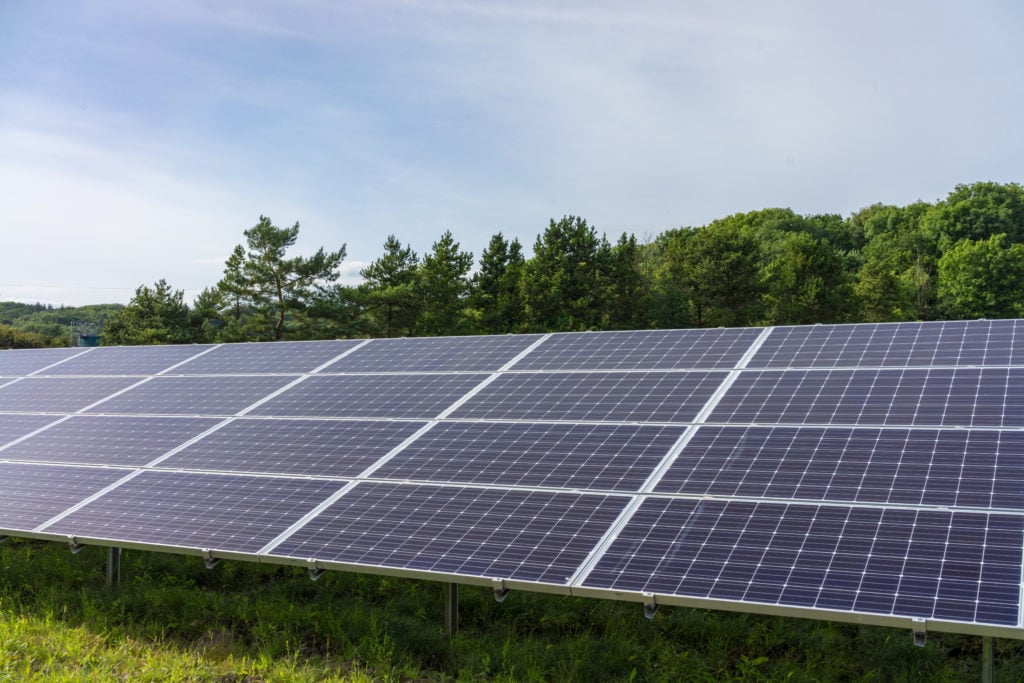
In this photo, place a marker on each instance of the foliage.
(982, 279)
(496, 292)
(443, 288)
(153, 316)
(389, 289)
(977, 212)
(265, 287)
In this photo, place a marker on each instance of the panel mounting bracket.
(500, 591)
(920, 631)
(210, 560)
(315, 572)
(650, 606)
(74, 546)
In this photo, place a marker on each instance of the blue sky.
(138, 140)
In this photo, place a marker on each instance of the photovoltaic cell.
(32, 494)
(266, 357)
(598, 396)
(101, 440)
(59, 394)
(15, 426)
(963, 397)
(127, 360)
(433, 354)
(605, 457)
(981, 469)
(515, 535)
(390, 396)
(298, 447)
(20, 362)
(931, 564)
(962, 343)
(718, 348)
(222, 396)
(187, 510)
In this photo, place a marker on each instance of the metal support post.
(113, 566)
(451, 609)
(988, 659)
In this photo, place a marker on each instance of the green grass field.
(171, 619)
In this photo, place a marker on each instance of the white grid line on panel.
(652, 481)
(62, 360)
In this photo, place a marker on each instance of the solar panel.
(298, 447)
(604, 457)
(860, 472)
(922, 563)
(126, 360)
(191, 395)
(595, 396)
(100, 440)
(949, 467)
(974, 342)
(954, 397)
(15, 426)
(202, 511)
(393, 396)
(516, 535)
(20, 362)
(32, 494)
(642, 350)
(267, 357)
(59, 394)
(433, 354)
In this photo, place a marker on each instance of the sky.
(138, 140)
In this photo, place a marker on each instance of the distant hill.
(37, 325)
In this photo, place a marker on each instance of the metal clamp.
(500, 592)
(920, 631)
(74, 546)
(650, 606)
(315, 572)
(211, 561)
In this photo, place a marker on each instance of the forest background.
(958, 258)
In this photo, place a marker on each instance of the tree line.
(961, 257)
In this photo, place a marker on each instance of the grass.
(171, 619)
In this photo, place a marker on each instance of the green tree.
(497, 286)
(389, 292)
(982, 279)
(153, 316)
(628, 290)
(718, 269)
(565, 282)
(976, 212)
(262, 283)
(444, 285)
(805, 282)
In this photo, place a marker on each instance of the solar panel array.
(871, 473)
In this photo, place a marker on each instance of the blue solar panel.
(964, 397)
(32, 494)
(324, 448)
(596, 396)
(101, 440)
(642, 350)
(977, 469)
(16, 426)
(59, 394)
(267, 357)
(948, 343)
(515, 535)
(930, 564)
(20, 362)
(204, 511)
(433, 354)
(127, 360)
(221, 396)
(606, 457)
(392, 396)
